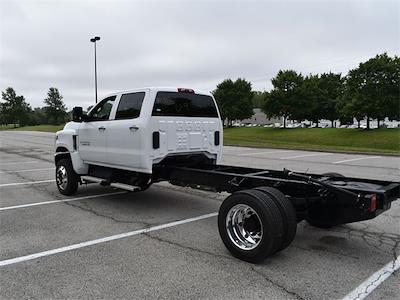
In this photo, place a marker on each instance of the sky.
(194, 44)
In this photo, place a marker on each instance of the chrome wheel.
(62, 177)
(244, 227)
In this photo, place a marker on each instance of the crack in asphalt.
(369, 285)
(395, 238)
(31, 142)
(151, 236)
(294, 294)
(231, 258)
(28, 153)
(365, 292)
(98, 214)
(371, 238)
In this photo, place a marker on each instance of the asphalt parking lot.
(164, 242)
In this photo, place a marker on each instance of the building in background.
(260, 118)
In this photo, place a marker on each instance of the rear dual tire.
(288, 214)
(254, 224)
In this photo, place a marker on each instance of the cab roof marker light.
(185, 90)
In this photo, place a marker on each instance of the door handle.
(102, 128)
(133, 127)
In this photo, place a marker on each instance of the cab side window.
(102, 111)
(129, 106)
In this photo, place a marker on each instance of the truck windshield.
(180, 104)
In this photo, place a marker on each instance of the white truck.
(127, 133)
(132, 139)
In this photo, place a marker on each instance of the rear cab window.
(184, 104)
(129, 106)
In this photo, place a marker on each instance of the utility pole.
(94, 40)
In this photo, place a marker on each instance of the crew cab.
(132, 139)
(133, 130)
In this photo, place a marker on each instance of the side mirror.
(77, 114)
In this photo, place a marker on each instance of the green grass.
(347, 140)
(386, 141)
(47, 128)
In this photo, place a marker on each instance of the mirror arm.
(85, 118)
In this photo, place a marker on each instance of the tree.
(234, 99)
(14, 109)
(258, 99)
(319, 96)
(284, 100)
(348, 111)
(310, 99)
(38, 116)
(372, 89)
(391, 102)
(55, 108)
(331, 87)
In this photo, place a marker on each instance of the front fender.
(66, 146)
(65, 139)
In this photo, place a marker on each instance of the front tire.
(250, 225)
(66, 178)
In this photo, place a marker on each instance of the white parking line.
(18, 162)
(306, 155)
(372, 282)
(59, 201)
(29, 170)
(354, 159)
(27, 182)
(102, 240)
(264, 152)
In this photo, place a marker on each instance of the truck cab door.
(92, 133)
(125, 148)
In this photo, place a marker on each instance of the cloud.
(183, 43)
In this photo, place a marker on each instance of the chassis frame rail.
(330, 198)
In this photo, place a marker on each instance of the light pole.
(94, 40)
